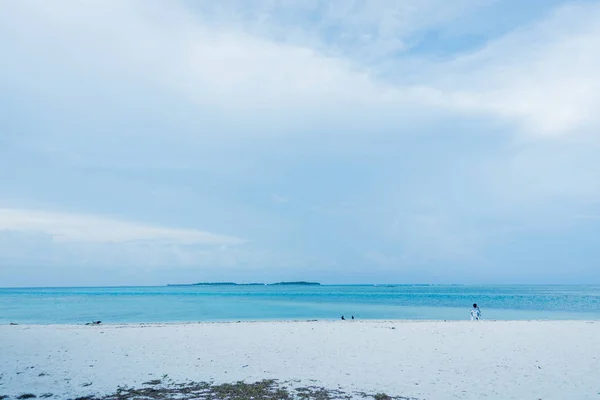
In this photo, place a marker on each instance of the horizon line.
(320, 284)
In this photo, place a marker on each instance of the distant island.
(298, 283)
(226, 284)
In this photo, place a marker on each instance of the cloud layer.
(363, 141)
(90, 229)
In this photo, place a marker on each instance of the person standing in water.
(475, 313)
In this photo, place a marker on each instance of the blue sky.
(151, 142)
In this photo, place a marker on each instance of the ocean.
(258, 303)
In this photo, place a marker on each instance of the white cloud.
(230, 59)
(65, 227)
(364, 31)
(123, 86)
(223, 70)
(546, 76)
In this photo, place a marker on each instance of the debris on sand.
(264, 390)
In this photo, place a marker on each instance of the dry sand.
(425, 360)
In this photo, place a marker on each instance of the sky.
(146, 142)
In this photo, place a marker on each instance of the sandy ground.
(425, 360)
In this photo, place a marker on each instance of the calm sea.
(233, 303)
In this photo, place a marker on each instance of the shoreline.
(415, 359)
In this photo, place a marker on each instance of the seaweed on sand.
(262, 390)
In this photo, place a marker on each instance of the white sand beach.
(423, 360)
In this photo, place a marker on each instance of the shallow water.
(232, 303)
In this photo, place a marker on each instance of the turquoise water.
(233, 303)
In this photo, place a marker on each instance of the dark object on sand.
(343, 319)
(13, 324)
(94, 323)
(264, 390)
